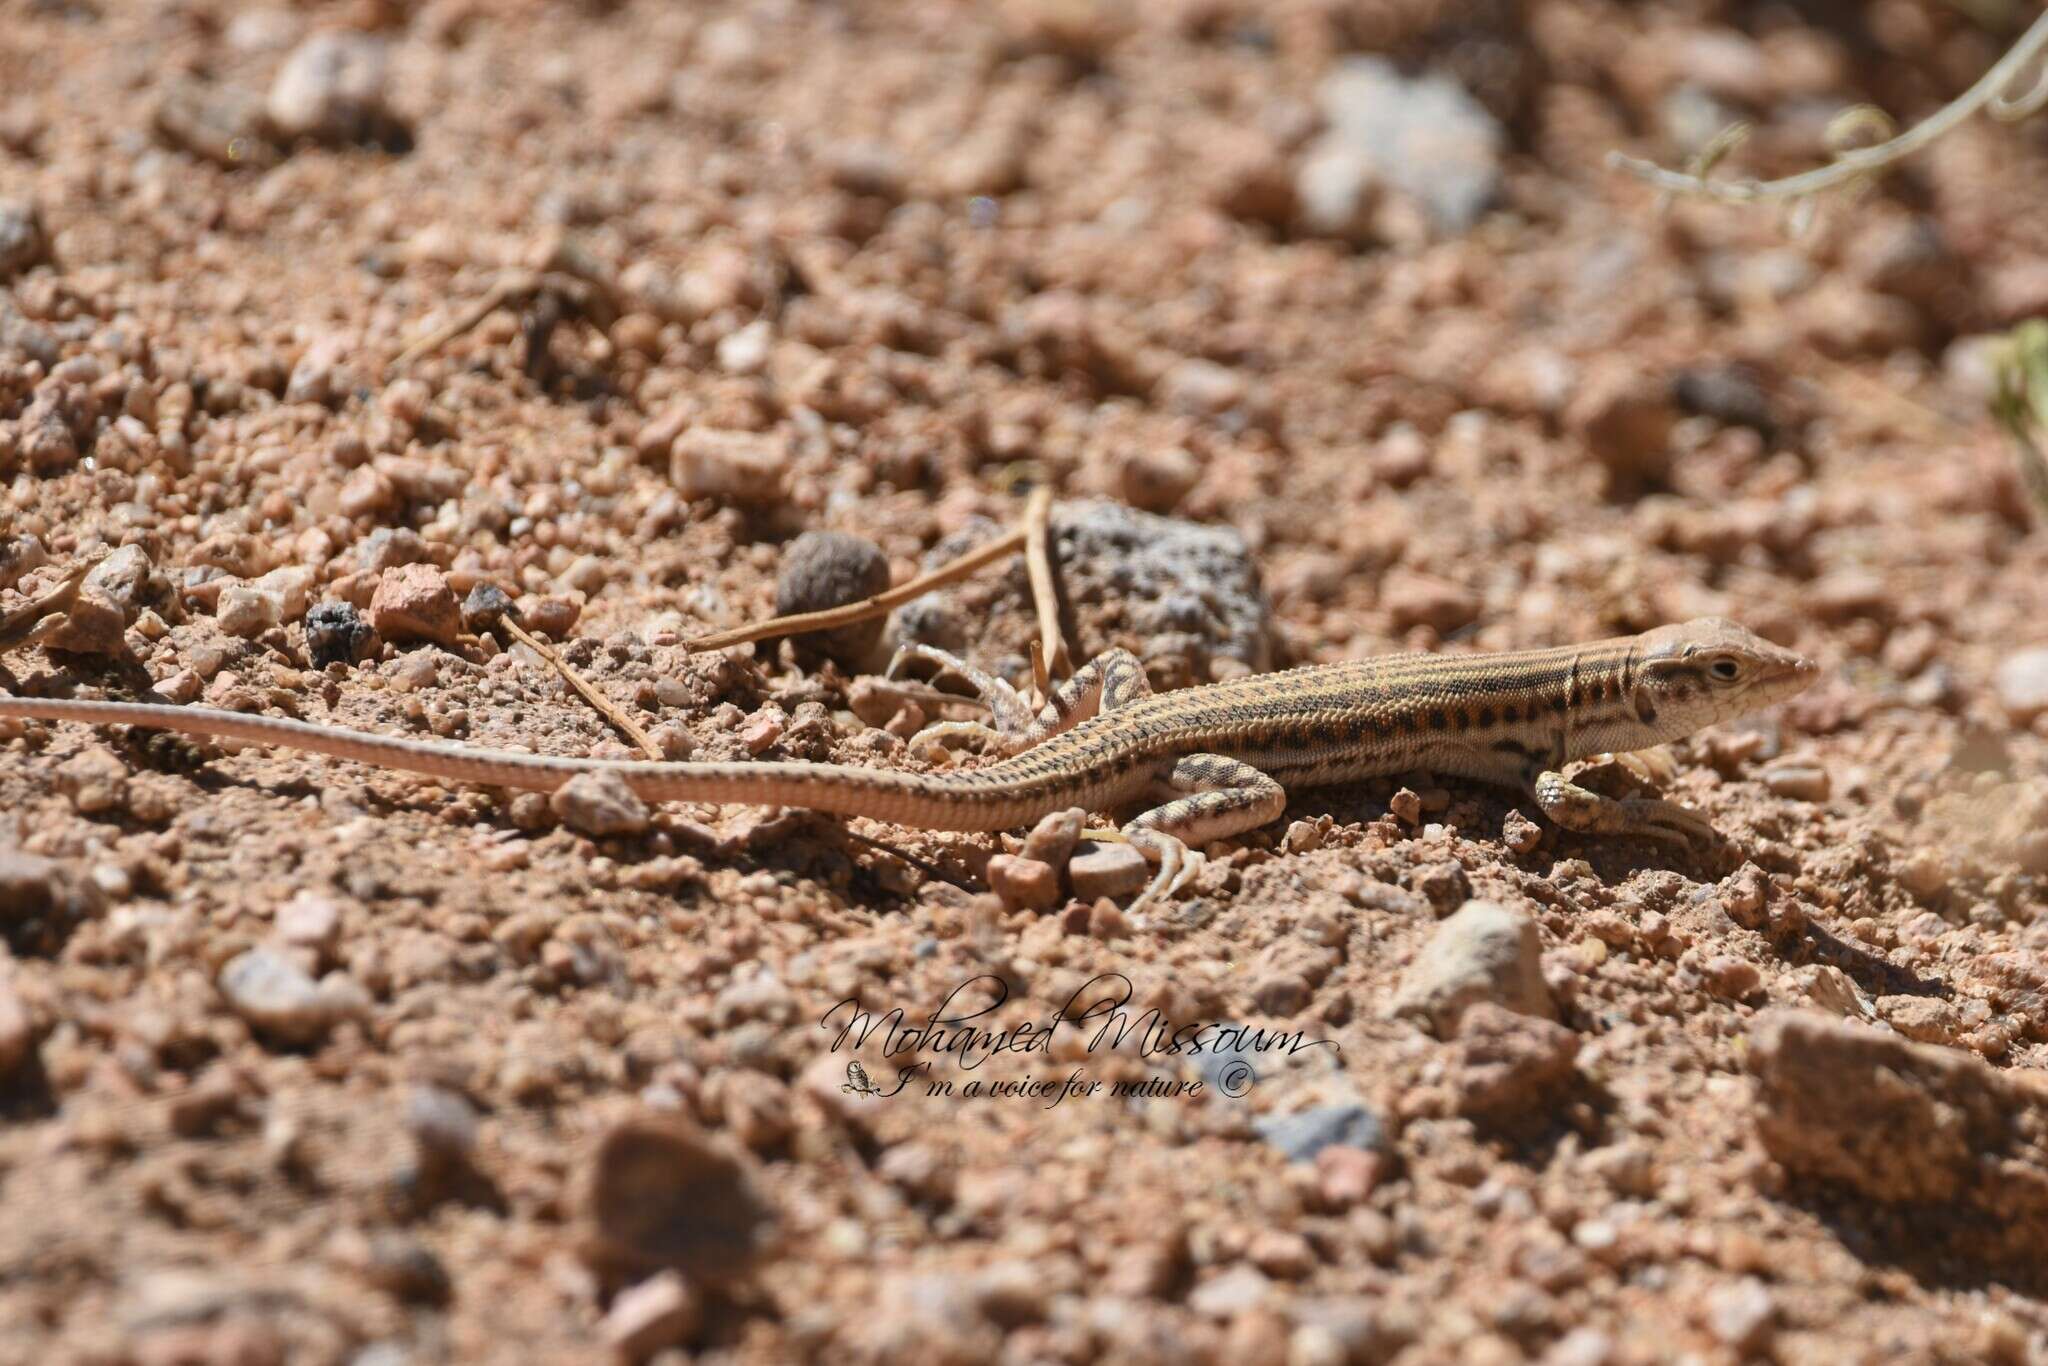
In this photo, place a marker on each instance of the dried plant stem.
(499, 295)
(1051, 660)
(610, 710)
(867, 608)
(1988, 94)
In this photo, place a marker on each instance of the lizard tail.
(959, 801)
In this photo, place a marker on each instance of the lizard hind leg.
(1220, 797)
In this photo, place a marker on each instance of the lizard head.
(1699, 673)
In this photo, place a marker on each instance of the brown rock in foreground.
(1910, 1125)
(662, 1194)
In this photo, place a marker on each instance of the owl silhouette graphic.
(858, 1082)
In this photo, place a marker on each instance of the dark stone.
(335, 634)
(484, 608)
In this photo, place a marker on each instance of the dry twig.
(610, 710)
(1050, 661)
(867, 608)
(1989, 94)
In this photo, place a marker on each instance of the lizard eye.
(1725, 669)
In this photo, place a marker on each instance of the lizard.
(1217, 759)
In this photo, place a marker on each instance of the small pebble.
(658, 1313)
(1110, 870)
(278, 999)
(760, 732)
(1486, 952)
(1519, 833)
(2022, 686)
(242, 611)
(310, 920)
(1155, 480)
(484, 608)
(1052, 840)
(600, 805)
(661, 1194)
(95, 781)
(728, 466)
(1345, 1175)
(1740, 1315)
(1799, 782)
(330, 89)
(335, 634)
(1107, 921)
(414, 602)
(1732, 977)
(552, 616)
(1024, 884)
(826, 569)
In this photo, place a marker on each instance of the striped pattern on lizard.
(1217, 760)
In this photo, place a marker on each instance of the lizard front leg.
(1586, 812)
(1223, 797)
(1108, 681)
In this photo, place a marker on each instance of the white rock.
(279, 1000)
(1485, 952)
(331, 89)
(244, 611)
(600, 804)
(739, 467)
(1425, 136)
(2022, 683)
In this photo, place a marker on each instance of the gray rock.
(600, 805)
(1486, 952)
(1305, 1133)
(1183, 597)
(484, 608)
(1425, 136)
(279, 1000)
(23, 242)
(335, 634)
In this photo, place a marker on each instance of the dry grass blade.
(867, 608)
(610, 710)
(1052, 660)
(1991, 93)
(501, 294)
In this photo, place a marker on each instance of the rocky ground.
(341, 325)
